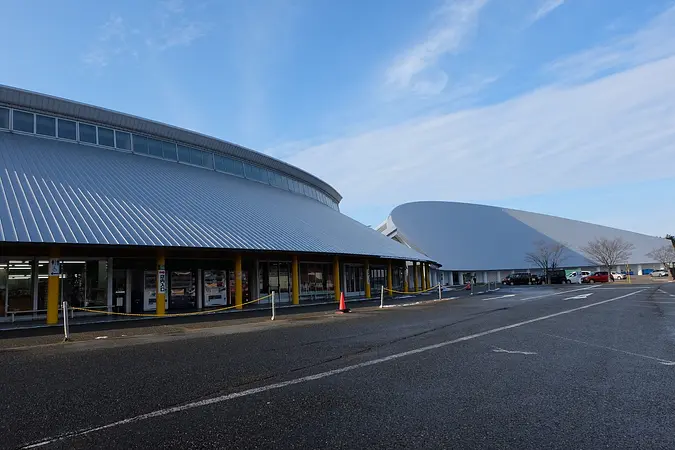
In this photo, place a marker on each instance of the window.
(4, 118)
(229, 165)
(183, 154)
(45, 125)
(23, 121)
(67, 129)
(207, 160)
(140, 144)
(87, 133)
(106, 137)
(123, 140)
(196, 157)
(169, 151)
(155, 147)
(256, 173)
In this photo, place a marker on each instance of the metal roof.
(465, 236)
(59, 192)
(67, 108)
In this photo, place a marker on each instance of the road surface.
(520, 368)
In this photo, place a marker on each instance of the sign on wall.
(161, 281)
(54, 267)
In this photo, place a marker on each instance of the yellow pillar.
(295, 280)
(161, 285)
(53, 285)
(415, 285)
(405, 277)
(428, 269)
(336, 277)
(238, 291)
(366, 269)
(390, 279)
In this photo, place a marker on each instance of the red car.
(597, 277)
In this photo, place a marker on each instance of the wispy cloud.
(111, 41)
(532, 144)
(417, 68)
(545, 8)
(651, 43)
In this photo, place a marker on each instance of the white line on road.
(560, 293)
(318, 376)
(501, 296)
(512, 352)
(665, 362)
(580, 296)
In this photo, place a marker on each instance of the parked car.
(557, 277)
(597, 277)
(660, 273)
(520, 278)
(618, 276)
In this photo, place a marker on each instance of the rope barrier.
(393, 291)
(194, 313)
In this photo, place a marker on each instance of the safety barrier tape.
(412, 292)
(194, 313)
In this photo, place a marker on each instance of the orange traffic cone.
(343, 308)
(467, 287)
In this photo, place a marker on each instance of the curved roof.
(69, 109)
(54, 191)
(465, 236)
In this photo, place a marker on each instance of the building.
(490, 242)
(110, 211)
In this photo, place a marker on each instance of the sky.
(562, 107)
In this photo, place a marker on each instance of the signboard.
(54, 267)
(161, 278)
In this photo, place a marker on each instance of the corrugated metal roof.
(465, 236)
(68, 108)
(55, 191)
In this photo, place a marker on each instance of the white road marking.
(101, 337)
(664, 302)
(665, 362)
(560, 293)
(318, 376)
(501, 296)
(419, 302)
(501, 350)
(664, 292)
(580, 296)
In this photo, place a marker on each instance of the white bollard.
(439, 291)
(471, 288)
(382, 296)
(273, 312)
(66, 330)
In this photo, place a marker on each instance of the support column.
(238, 292)
(390, 279)
(200, 289)
(336, 277)
(295, 280)
(127, 292)
(428, 268)
(366, 269)
(423, 270)
(415, 282)
(405, 277)
(161, 284)
(53, 285)
(109, 287)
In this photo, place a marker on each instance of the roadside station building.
(113, 212)
(489, 242)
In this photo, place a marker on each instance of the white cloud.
(609, 131)
(416, 69)
(178, 36)
(546, 7)
(653, 42)
(111, 41)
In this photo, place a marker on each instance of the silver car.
(660, 273)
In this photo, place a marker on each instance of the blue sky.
(559, 107)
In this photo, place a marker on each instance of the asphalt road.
(522, 368)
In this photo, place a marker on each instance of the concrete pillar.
(238, 291)
(366, 268)
(485, 277)
(639, 269)
(499, 276)
(416, 286)
(295, 280)
(336, 277)
(423, 276)
(53, 285)
(109, 287)
(161, 284)
(127, 292)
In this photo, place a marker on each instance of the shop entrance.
(355, 284)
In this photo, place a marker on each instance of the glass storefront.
(244, 285)
(3, 288)
(19, 296)
(275, 276)
(355, 282)
(316, 282)
(378, 278)
(84, 283)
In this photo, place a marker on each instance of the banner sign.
(54, 267)
(161, 281)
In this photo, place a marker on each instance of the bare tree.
(608, 252)
(666, 256)
(547, 256)
(671, 238)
